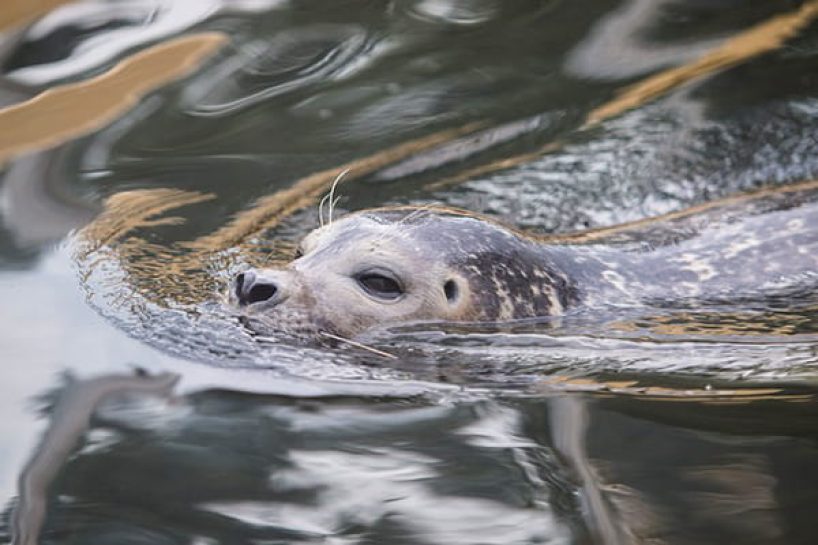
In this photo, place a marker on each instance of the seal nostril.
(450, 288)
(239, 283)
(261, 292)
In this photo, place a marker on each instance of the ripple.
(658, 159)
(617, 46)
(289, 61)
(101, 31)
(456, 12)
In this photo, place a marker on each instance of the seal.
(389, 266)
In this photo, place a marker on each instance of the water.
(137, 409)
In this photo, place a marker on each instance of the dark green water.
(546, 433)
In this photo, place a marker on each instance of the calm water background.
(677, 427)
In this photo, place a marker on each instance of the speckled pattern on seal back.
(516, 276)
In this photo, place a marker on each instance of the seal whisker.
(414, 214)
(332, 200)
(321, 210)
(400, 223)
(358, 345)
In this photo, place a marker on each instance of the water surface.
(136, 409)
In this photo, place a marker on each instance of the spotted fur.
(509, 275)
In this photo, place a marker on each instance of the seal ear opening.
(451, 291)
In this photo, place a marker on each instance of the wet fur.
(511, 275)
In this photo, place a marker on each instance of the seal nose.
(250, 288)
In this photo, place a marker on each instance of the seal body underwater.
(390, 266)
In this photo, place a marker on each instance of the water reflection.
(72, 410)
(80, 37)
(458, 12)
(627, 42)
(35, 210)
(675, 424)
(223, 465)
(288, 62)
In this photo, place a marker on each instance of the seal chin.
(298, 325)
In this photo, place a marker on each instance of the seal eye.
(380, 285)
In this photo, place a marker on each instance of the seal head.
(392, 266)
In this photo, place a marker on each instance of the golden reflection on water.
(723, 324)
(130, 210)
(633, 388)
(744, 46)
(18, 12)
(762, 38)
(156, 272)
(68, 111)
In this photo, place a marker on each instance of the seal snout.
(251, 287)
